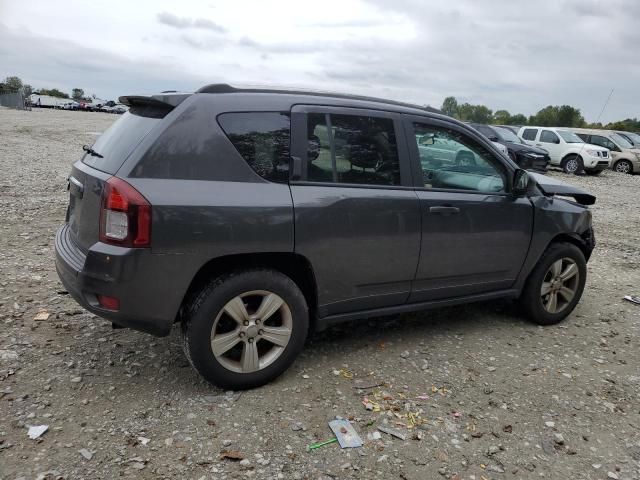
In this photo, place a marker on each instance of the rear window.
(262, 139)
(119, 140)
(529, 133)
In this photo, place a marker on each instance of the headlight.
(594, 153)
(534, 155)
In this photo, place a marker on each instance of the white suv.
(567, 150)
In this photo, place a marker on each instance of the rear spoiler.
(162, 100)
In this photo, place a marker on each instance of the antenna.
(597, 120)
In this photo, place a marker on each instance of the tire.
(242, 293)
(538, 307)
(623, 166)
(593, 173)
(572, 164)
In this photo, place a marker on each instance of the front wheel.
(245, 328)
(555, 285)
(572, 164)
(623, 166)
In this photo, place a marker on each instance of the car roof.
(223, 88)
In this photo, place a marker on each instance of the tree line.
(550, 116)
(15, 84)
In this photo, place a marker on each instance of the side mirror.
(494, 139)
(520, 183)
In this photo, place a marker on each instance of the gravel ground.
(487, 395)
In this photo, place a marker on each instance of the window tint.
(530, 133)
(548, 136)
(352, 149)
(602, 142)
(262, 138)
(119, 140)
(487, 131)
(451, 160)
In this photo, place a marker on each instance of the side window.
(603, 142)
(530, 133)
(548, 136)
(352, 149)
(262, 139)
(584, 137)
(451, 160)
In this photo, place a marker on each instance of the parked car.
(119, 109)
(633, 138)
(567, 150)
(524, 155)
(185, 209)
(625, 158)
(513, 128)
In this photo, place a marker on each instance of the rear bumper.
(147, 286)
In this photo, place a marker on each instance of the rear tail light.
(125, 217)
(109, 303)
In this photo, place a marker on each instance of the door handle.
(444, 210)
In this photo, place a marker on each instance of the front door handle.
(444, 210)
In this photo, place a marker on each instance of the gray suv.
(253, 216)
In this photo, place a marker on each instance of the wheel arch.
(295, 266)
(580, 241)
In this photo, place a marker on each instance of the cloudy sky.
(511, 54)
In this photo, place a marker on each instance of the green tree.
(54, 92)
(501, 117)
(517, 119)
(627, 125)
(13, 83)
(475, 113)
(569, 116)
(77, 94)
(450, 106)
(558, 116)
(28, 89)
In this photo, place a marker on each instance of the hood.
(550, 187)
(589, 146)
(519, 147)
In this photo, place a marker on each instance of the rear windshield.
(119, 140)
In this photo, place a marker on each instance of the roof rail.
(226, 88)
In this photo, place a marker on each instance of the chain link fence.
(13, 100)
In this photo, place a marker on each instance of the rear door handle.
(442, 210)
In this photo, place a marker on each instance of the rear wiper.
(91, 151)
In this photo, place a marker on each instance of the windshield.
(569, 137)
(621, 141)
(635, 138)
(508, 135)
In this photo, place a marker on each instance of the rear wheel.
(623, 166)
(246, 328)
(555, 285)
(572, 164)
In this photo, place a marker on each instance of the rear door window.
(530, 133)
(262, 139)
(352, 149)
(119, 140)
(548, 136)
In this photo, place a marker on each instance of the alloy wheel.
(623, 167)
(560, 285)
(251, 331)
(572, 165)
